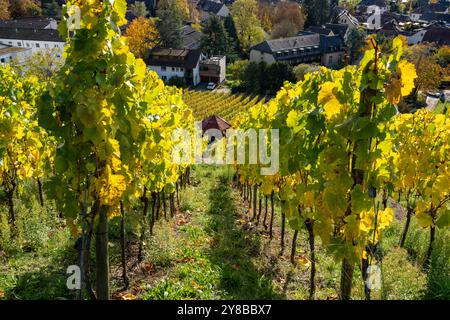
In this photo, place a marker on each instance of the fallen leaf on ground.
(304, 261)
(129, 296)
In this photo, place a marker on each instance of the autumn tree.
(283, 29)
(24, 8)
(265, 15)
(4, 10)
(43, 64)
(139, 9)
(180, 7)
(142, 36)
(194, 14)
(248, 26)
(442, 56)
(288, 20)
(429, 72)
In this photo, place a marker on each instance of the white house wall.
(416, 38)
(258, 56)
(223, 12)
(21, 56)
(33, 45)
(166, 73)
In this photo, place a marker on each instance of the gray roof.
(319, 30)
(26, 23)
(184, 58)
(431, 7)
(367, 3)
(431, 16)
(331, 41)
(440, 36)
(389, 16)
(304, 40)
(211, 6)
(190, 37)
(340, 29)
(30, 34)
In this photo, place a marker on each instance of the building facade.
(182, 63)
(304, 48)
(32, 39)
(213, 69)
(10, 53)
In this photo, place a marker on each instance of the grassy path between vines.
(210, 250)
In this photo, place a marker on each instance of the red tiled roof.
(215, 122)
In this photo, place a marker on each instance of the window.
(19, 44)
(56, 46)
(37, 45)
(164, 78)
(163, 68)
(46, 45)
(28, 45)
(330, 60)
(2, 60)
(10, 43)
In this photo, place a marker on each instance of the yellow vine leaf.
(408, 75)
(326, 97)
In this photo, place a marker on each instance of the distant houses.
(31, 34)
(34, 39)
(306, 47)
(8, 53)
(212, 7)
(438, 35)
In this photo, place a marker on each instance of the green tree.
(169, 26)
(139, 9)
(248, 26)
(43, 64)
(235, 70)
(442, 56)
(232, 36)
(276, 74)
(215, 38)
(261, 78)
(178, 82)
(355, 43)
(302, 69)
(316, 12)
(52, 9)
